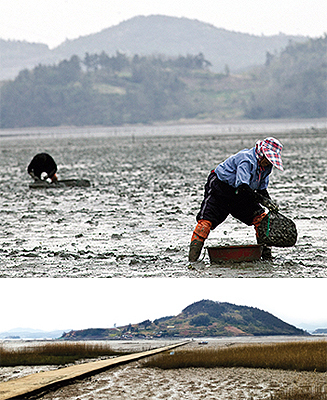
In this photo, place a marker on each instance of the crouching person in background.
(43, 167)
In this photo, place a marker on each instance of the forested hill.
(115, 90)
(205, 318)
(294, 83)
(155, 34)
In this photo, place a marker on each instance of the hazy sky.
(52, 22)
(49, 304)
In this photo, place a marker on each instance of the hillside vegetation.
(115, 90)
(295, 83)
(205, 318)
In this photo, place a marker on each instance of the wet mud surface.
(134, 382)
(137, 218)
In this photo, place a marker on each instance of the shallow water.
(137, 218)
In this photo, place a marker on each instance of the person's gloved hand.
(44, 176)
(36, 178)
(270, 204)
(258, 197)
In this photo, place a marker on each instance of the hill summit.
(151, 35)
(173, 36)
(205, 318)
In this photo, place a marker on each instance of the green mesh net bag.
(277, 230)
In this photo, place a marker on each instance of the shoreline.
(181, 127)
(139, 344)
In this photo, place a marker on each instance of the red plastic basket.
(235, 253)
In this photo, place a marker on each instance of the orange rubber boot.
(54, 178)
(201, 232)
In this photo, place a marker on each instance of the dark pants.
(220, 200)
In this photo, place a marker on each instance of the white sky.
(52, 22)
(50, 304)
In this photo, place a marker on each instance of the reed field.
(295, 356)
(54, 354)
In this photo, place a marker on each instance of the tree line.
(101, 90)
(293, 84)
(115, 90)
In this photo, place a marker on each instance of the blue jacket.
(243, 167)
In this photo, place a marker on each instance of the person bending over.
(43, 167)
(238, 186)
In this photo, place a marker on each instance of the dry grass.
(298, 356)
(54, 354)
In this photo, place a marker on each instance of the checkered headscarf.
(270, 148)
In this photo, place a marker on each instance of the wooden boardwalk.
(43, 381)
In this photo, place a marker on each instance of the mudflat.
(137, 217)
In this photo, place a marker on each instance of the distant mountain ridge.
(205, 318)
(26, 333)
(320, 331)
(146, 35)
